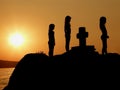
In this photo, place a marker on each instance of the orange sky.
(31, 18)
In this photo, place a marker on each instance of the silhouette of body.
(51, 41)
(104, 35)
(67, 30)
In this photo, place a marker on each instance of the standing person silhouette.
(67, 30)
(51, 41)
(104, 35)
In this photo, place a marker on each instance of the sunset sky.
(31, 18)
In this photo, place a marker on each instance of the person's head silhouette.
(67, 19)
(51, 27)
(102, 20)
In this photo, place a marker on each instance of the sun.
(16, 39)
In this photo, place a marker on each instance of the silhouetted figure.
(51, 41)
(67, 30)
(82, 35)
(104, 35)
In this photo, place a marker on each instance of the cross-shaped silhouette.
(82, 35)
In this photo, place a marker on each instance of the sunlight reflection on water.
(5, 73)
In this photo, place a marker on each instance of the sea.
(5, 74)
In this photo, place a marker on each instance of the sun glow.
(16, 39)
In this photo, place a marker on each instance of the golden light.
(16, 39)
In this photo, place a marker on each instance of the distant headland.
(8, 64)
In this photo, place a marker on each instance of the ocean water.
(5, 73)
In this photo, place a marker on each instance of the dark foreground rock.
(38, 71)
